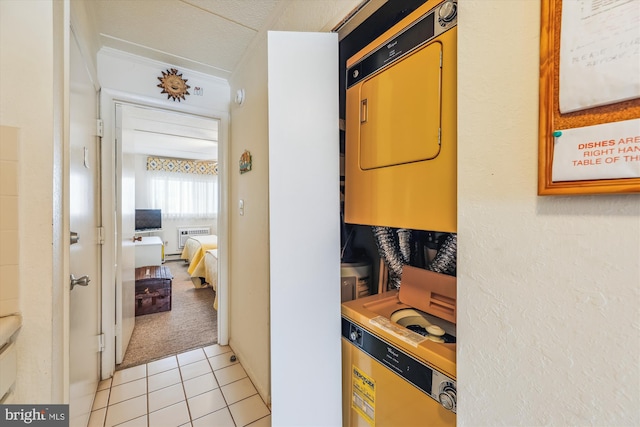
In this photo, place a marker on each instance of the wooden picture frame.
(551, 120)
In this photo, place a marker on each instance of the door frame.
(108, 99)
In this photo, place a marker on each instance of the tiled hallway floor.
(199, 388)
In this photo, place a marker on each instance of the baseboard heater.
(185, 232)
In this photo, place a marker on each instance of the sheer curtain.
(183, 195)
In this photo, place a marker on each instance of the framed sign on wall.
(589, 128)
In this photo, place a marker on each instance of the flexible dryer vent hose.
(445, 260)
(404, 242)
(394, 247)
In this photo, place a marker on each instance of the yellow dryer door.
(400, 111)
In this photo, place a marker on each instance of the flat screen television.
(148, 219)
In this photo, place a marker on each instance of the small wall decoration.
(174, 85)
(245, 162)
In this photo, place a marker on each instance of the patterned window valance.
(182, 166)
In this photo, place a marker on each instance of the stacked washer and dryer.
(399, 350)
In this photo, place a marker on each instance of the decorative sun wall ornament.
(174, 85)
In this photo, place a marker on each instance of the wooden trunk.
(153, 289)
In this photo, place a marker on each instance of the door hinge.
(101, 343)
(101, 235)
(100, 128)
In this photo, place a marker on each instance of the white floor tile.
(238, 390)
(195, 369)
(221, 361)
(206, 403)
(96, 419)
(162, 365)
(230, 374)
(181, 391)
(101, 400)
(136, 422)
(214, 350)
(129, 374)
(125, 411)
(191, 356)
(171, 416)
(128, 390)
(248, 410)
(199, 385)
(165, 397)
(221, 418)
(262, 422)
(163, 379)
(104, 384)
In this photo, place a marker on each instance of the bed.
(206, 269)
(211, 272)
(205, 273)
(193, 253)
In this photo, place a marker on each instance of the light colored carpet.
(191, 323)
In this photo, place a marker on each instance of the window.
(183, 195)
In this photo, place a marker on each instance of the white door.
(304, 224)
(125, 219)
(84, 256)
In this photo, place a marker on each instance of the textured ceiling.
(210, 36)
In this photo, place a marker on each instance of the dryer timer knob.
(447, 397)
(447, 11)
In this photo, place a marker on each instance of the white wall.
(249, 247)
(27, 102)
(9, 221)
(548, 287)
(137, 76)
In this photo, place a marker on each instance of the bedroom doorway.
(174, 159)
(143, 137)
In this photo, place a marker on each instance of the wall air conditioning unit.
(185, 232)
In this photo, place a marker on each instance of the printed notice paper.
(606, 151)
(599, 53)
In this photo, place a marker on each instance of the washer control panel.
(434, 383)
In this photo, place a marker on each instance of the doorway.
(142, 134)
